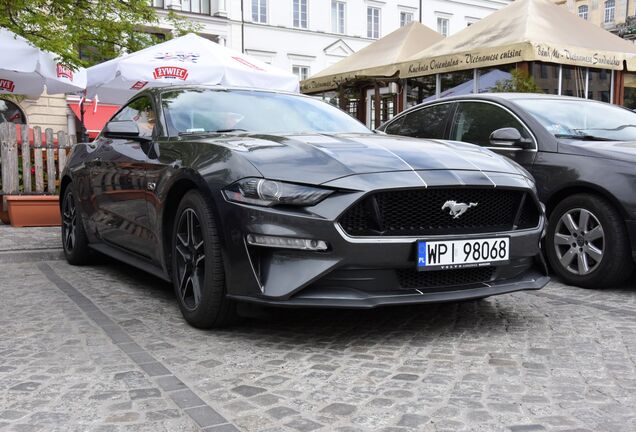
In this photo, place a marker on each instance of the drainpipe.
(421, 11)
(242, 28)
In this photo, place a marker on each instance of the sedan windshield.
(582, 119)
(195, 111)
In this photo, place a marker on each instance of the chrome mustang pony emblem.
(457, 209)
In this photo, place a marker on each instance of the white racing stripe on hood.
(405, 162)
(471, 162)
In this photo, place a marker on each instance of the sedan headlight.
(269, 193)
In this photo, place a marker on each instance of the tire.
(197, 266)
(595, 256)
(74, 239)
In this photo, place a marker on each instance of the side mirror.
(125, 129)
(509, 137)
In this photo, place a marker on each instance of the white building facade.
(306, 36)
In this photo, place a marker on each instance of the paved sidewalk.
(104, 348)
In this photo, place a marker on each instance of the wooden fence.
(31, 162)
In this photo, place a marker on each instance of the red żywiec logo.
(170, 72)
(64, 72)
(7, 85)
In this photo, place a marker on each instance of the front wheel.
(587, 242)
(197, 265)
(74, 239)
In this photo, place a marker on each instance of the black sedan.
(244, 195)
(582, 154)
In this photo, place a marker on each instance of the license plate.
(453, 254)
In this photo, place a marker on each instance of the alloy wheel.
(190, 254)
(579, 241)
(69, 223)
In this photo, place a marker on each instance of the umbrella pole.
(83, 134)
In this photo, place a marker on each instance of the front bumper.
(354, 299)
(355, 272)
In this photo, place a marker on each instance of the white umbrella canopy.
(188, 59)
(25, 69)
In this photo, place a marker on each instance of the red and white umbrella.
(25, 69)
(189, 59)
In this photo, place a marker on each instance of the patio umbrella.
(189, 59)
(25, 69)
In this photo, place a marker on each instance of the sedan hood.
(319, 158)
(615, 150)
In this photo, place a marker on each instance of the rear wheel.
(587, 242)
(197, 265)
(74, 239)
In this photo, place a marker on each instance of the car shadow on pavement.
(491, 316)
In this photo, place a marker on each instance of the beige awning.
(526, 30)
(378, 59)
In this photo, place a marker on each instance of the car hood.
(319, 158)
(616, 150)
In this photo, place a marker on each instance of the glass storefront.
(600, 85)
(454, 79)
(495, 76)
(546, 76)
(629, 92)
(573, 81)
(419, 89)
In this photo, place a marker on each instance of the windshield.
(210, 110)
(582, 119)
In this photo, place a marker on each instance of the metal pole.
(560, 79)
(587, 82)
(83, 134)
(420, 11)
(611, 88)
(438, 86)
(475, 80)
(242, 28)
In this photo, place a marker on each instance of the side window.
(140, 111)
(395, 126)
(475, 121)
(426, 122)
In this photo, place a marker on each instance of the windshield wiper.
(230, 130)
(583, 137)
(206, 132)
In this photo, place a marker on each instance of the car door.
(474, 121)
(118, 181)
(426, 122)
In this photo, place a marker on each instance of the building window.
(373, 22)
(442, 26)
(302, 72)
(405, 18)
(583, 10)
(196, 6)
(300, 13)
(337, 16)
(610, 7)
(157, 3)
(259, 11)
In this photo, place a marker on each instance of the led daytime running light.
(286, 242)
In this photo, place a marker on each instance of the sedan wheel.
(587, 242)
(579, 241)
(197, 265)
(74, 240)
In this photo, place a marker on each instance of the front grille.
(418, 212)
(410, 278)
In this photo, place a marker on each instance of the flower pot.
(34, 210)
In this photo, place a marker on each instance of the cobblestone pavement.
(104, 348)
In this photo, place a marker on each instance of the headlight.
(268, 193)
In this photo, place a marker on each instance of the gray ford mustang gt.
(257, 196)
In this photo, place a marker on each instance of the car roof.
(508, 96)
